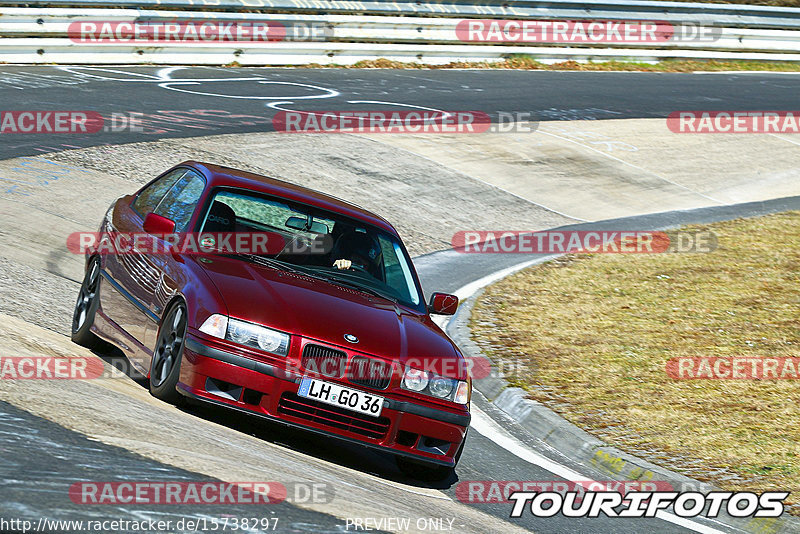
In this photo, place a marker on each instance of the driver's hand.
(342, 264)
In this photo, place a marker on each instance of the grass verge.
(524, 62)
(592, 334)
(780, 3)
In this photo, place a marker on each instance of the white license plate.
(349, 399)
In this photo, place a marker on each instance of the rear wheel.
(165, 368)
(86, 307)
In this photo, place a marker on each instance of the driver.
(357, 250)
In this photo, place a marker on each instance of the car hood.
(318, 310)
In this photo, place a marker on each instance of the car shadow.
(333, 450)
(114, 357)
(350, 455)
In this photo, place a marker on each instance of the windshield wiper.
(269, 262)
(346, 283)
(275, 264)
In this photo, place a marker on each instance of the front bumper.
(220, 376)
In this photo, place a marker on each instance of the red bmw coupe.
(328, 331)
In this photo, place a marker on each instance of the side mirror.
(157, 224)
(443, 304)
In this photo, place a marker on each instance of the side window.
(398, 275)
(149, 198)
(180, 202)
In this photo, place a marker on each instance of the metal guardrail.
(19, 22)
(62, 51)
(40, 34)
(732, 15)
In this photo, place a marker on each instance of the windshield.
(319, 243)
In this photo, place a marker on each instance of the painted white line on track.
(784, 139)
(473, 287)
(381, 102)
(163, 78)
(491, 430)
(470, 289)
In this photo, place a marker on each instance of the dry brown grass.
(596, 331)
(523, 62)
(783, 3)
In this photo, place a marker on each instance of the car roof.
(219, 176)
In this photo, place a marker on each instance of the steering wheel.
(355, 267)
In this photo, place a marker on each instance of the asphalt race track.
(41, 458)
(256, 95)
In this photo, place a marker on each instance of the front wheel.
(165, 368)
(86, 307)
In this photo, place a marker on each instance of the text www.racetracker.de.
(202, 524)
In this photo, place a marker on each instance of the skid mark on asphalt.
(471, 177)
(631, 165)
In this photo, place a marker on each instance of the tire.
(86, 307)
(421, 470)
(165, 367)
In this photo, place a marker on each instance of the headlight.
(436, 386)
(240, 332)
(271, 341)
(244, 333)
(441, 387)
(415, 380)
(259, 337)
